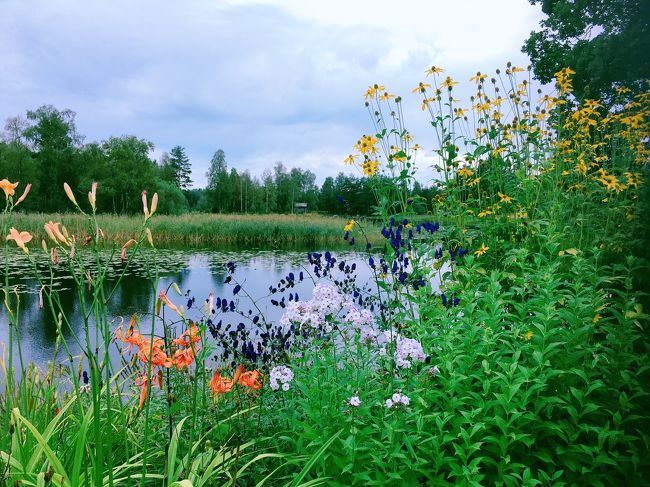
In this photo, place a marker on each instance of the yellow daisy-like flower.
(448, 83)
(474, 182)
(350, 159)
(386, 96)
(478, 77)
(425, 103)
(465, 172)
(366, 144)
(482, 250)
(504, 198)
(421, 88)
(370, 167)
(484, 213)
(434, 70)
(529, 335)
(350, 225)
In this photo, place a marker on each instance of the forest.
(45, 149)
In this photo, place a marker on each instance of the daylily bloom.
(183, 358)
(253, 379)
(21, 238)
(8, 187)
(192, 334)
(221, 385)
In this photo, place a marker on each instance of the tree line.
(45, 149)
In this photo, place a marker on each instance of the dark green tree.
(180, 167)
(606, 42)
(52, 135)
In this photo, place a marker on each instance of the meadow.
(529, 366)
(202, 230)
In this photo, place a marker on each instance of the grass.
(201, 230)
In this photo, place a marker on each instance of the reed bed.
(201, 230)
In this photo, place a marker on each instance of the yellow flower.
(421, 88)
(465, 172)
(504, 198)
(350, 159)
(366, 144)
(434, 70)
(448, 83)
(370, 167)
(349, 226)
(21, 238)
(8, 187)
(372, 91)
(474, 182)
(386, 96)
(498, 151)
(529, 335)
(515, 69)
(597, 317)
(484, 213)
(425, 103)
(482, 250)
(479, 77)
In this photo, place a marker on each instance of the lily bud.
(154, 204)
(149, 237)
(144, 205)
(92, 195)
(68, 191)
(24, 195)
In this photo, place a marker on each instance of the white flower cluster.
(326, 301)
(408, 350)
(360, 318)
(280, 376)
(354, 401)
(397, 399)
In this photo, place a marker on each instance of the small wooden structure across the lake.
(300, 208)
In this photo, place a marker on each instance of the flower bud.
(68, 191)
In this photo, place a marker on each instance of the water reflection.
(196, 272)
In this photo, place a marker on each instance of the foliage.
(604, 41)
(506, 346)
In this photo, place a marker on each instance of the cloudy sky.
(265, 80)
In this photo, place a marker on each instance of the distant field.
(206, 230)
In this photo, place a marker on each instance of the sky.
(264, 80)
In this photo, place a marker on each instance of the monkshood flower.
(280, 376)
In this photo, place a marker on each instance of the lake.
(197, 273)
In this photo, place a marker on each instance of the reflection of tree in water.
(133, 295)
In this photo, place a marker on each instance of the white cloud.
(265, 80)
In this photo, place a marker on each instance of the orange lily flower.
(253, 379)
(21, 238)
(192, 334)
(221, 385)
(183, 358)
(158, 357)
(8, 187)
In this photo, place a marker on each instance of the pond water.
(197, 273)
